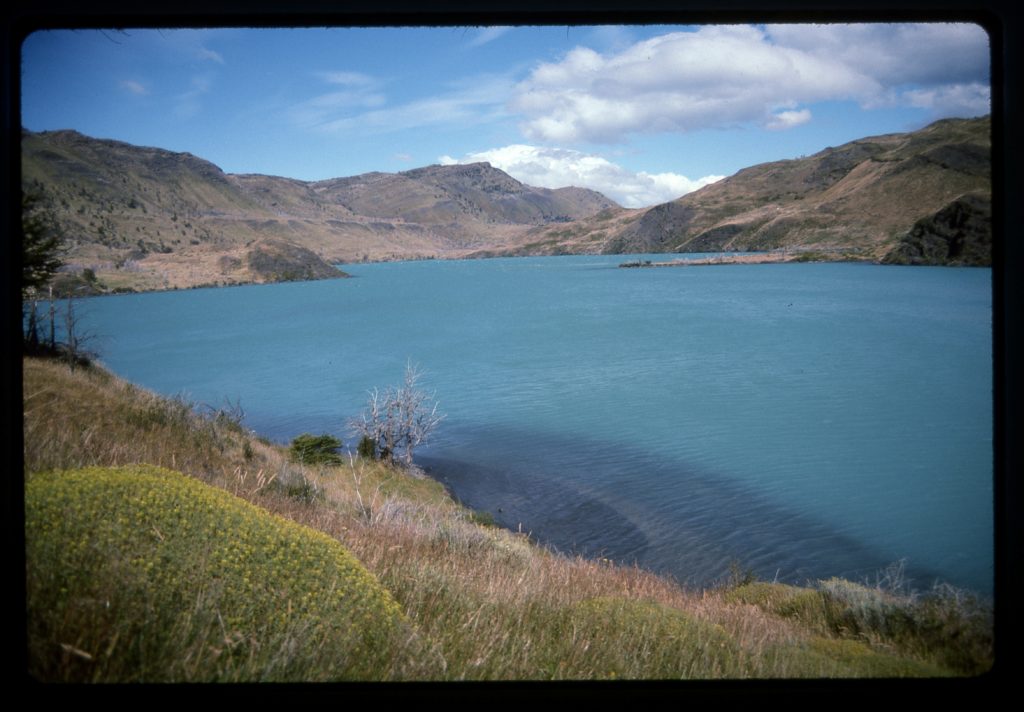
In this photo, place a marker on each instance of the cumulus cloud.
(560, 167)
(895, 54)
(788, 119)
(956, 100)
(732, 75)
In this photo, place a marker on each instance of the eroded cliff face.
(959, 234)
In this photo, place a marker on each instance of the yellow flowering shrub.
(144, 573)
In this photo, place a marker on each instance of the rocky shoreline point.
(759, 258)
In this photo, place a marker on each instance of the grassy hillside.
(478, 602)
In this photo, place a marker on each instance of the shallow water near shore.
(802, 420)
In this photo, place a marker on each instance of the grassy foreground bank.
(473, 601)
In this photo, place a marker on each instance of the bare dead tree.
(399, 419)
(75, 339)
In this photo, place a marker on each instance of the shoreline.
(758, 258)
(826, 255)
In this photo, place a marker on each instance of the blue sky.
(643, 114)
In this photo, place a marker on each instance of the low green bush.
(297, 485)
(946, 625)
(802, 604)
(316, 449)
(959, 625)
(143, 574)
(367, 448)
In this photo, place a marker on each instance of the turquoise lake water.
(802, 420)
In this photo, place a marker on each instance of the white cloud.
(560, 167)
(467, 102)
(359, 92)
(729, 75)
(134, 87)
(435, 111)
(610, 37)
(189, 43)
(788, 119)
(487, 34)
(896, 54)
(324, 108)
(204, 53)
(346, 99)
(955, 100)
(347, 78)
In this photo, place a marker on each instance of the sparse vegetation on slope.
(480, 602)
(146, 218)
(863, 197)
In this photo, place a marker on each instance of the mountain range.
(137, 218)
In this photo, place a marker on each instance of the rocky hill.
(146, 218)
(886, 197)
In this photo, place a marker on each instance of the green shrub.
(946, 625)
(295, 483)
(143, 574)
(801, 604)
(739, 575)
(854, 610)
(367, 448)
(959, 625)
(485, 519)
(316, 449)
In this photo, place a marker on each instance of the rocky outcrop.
(277, 261)
(959, 234)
